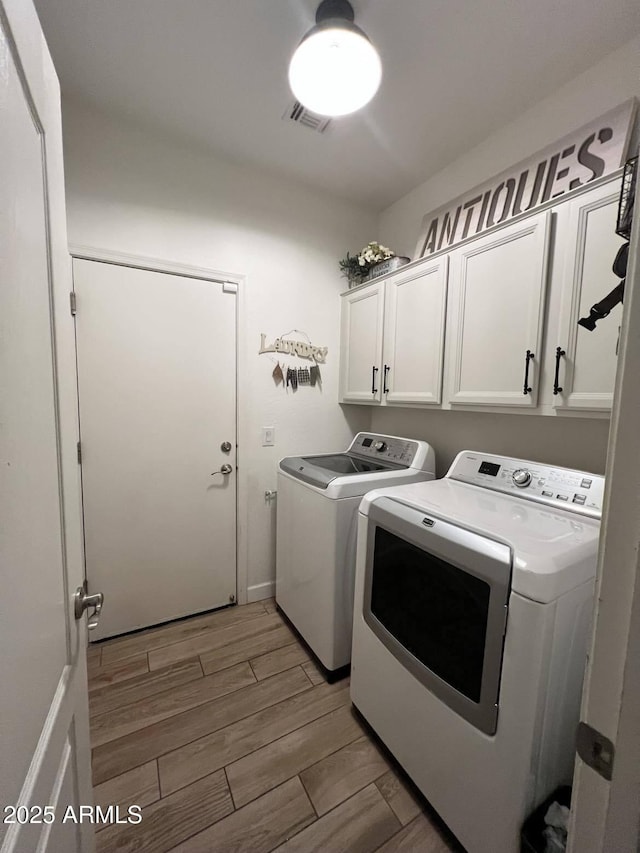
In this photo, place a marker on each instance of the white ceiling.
(215, 71)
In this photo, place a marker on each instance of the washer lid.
(324, 468)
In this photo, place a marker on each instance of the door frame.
(605, 815)
(161, 265)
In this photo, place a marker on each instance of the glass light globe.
(335, 71)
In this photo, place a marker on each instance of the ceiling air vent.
(301, 115)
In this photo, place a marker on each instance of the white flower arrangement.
(356, 267)
(373, 253)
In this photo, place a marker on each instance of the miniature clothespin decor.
(314, 375)
(300, 349)
(292, 378)
(303, 376)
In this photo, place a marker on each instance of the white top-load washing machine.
(318, 497)
(473, 605)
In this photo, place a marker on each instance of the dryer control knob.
(380, 446)
(521, 477)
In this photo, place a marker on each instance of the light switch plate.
(268, 436)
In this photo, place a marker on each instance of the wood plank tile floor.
(224, 731)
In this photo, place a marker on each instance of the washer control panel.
(560, 487)
(389, 448)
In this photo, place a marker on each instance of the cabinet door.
(587, 371)
(361, 345)
(497, 290)
(414, 317)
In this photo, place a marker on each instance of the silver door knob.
(225, 447)
(224, 469)
(83, 601)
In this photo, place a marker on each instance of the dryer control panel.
(564, 488)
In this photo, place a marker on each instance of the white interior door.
(157, 388)
(44, 741)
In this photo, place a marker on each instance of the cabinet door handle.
(385, 389)
(559, 353)
(528, 358)
(374, 370)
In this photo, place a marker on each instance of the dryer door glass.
(436, 596)
(435, 610)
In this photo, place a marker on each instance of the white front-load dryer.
(318, 498)
(473, 604)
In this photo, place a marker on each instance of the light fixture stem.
(335, 9)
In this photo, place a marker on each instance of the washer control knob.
(379, 446)
(521, 477)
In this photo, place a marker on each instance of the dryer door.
(436, 595)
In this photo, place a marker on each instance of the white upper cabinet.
(587, 359)
(415, 306)
(406, 313)
(497, 287)
(361, 345)
(494, 324)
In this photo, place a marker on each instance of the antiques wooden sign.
(596, 149)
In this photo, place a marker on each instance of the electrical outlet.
(268, 436)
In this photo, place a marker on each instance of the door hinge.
(72, 303)
(79, 451)
(229, 287)
(596, 750)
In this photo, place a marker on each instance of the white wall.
(589, 95)
(573, 442)
(128, 191)
(564, 441)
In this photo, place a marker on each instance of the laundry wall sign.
(290, 346)
(595, 150)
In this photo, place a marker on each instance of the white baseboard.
(260, 591)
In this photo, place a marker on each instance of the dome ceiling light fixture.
(335, 69)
